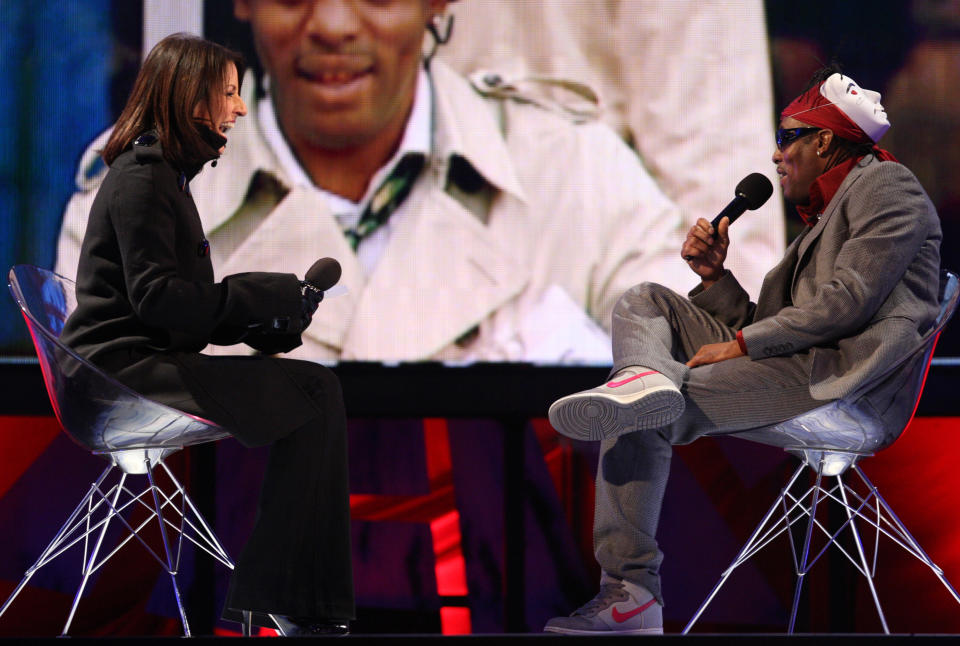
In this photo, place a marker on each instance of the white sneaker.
(620, 608)
(635, 399)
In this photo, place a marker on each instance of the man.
(467, 224)
(855, 287)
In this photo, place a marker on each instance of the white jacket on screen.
(575, 221)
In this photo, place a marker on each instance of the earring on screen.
(441, 29)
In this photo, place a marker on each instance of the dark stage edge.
(542, 638)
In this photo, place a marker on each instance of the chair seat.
(838, 426)
(128, 424)
(830, 438)
(95, 410)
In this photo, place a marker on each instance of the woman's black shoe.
(308, 626)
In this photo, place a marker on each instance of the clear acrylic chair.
(132, 432)
(831, 440)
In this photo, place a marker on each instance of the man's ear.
(824, 139)
(241, 10)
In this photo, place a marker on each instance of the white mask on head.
(860, 105)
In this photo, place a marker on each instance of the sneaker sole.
(574, 631)
(596, 416)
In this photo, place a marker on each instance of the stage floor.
(541, 639)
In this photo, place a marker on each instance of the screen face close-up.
(553, 154)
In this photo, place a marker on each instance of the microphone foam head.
(756, 189)
(323, 274)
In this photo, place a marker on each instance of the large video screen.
(570, 144)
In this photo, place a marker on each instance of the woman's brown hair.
(180, 73)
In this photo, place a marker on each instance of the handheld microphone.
(323, 274)
(750, 194)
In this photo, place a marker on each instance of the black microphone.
(323, 274)
(751, 193)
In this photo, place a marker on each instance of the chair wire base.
(870, 510)
(93, 516)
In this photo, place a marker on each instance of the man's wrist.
(713, 280)
(742, 343)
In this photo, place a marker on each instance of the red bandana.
(814, 109)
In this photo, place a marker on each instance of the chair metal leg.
(64, 529)
(112, 503)
(747, 548)
(166, 548)
(88, 568)
(876, 536)
(867, 573)
(802, 571)
(207, 532)
(891, 526)
(180, 528)
(913, 546)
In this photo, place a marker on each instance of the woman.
(147, 305)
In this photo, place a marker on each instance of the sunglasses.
(786, 136)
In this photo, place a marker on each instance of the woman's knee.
(314, 378)
(326, 380)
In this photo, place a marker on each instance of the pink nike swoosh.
(616, 384)
(621, 617)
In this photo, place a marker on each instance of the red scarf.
(823, 189)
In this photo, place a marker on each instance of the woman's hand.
(311, 298)
(705, 249)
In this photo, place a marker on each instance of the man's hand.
(715, 353)
(705, 250)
